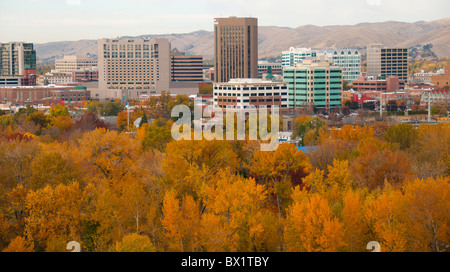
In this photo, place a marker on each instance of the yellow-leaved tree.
(426, 213)
(181, 223)
(236, 207)
(279, 171)
(384, 218)
(311, 227)
(356, 229)
(54, 212)
(135, 243)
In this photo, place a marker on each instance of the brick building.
(390, 84)
(37, 94)
(442, 80)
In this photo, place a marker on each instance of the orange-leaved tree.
(279, 171)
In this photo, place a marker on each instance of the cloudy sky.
(41, 21)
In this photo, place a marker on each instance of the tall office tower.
(386, 62)
(295, 55)
(314, 83)
(348, 59)
(18, 63)
(235, 48)
(129, 68)
(374, 59)
(394, 62)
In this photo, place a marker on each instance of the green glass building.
(314, 83)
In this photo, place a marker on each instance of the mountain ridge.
(274, 39)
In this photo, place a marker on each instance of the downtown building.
(295, 55)
(245, 92)
(69, 64)
(235, 48)
(17, 64)
(314, 83)
(390, 84)
(185, 68)
(132, 68)
(129, 68)
(267, 68)
(385, 62)
(348, 59)
(35, 95)
(71, 69)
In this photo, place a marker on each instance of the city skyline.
(42, 21)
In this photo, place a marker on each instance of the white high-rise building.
(374, 59)
(129, 68)
(348, 59)
(295, 55)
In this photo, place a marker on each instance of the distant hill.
(273, 40)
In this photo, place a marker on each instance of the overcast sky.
(41, 21)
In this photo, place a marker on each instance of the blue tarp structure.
(306, 149)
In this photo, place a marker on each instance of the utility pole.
(429, 106)
(128, 115)
(381, 105)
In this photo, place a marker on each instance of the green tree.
(309, 128)
(144, 120)
(135, 243)
(157, 135)
(58, 110)
(180, 99)
(112, 108)
(26, 111)
(404, 135)
(346, 85)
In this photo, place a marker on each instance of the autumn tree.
(189, 165)
(280, 170)
(107, 153)
(14, 212)
(323, 155)
(58, 110)
(353, 218)
(123, 119)
(54, 213)
(157, 135)
(311, 227)
(39, 119)
(352, 134)
(181, 223)
(425, 212)
(157, 106)
(180, 99)
(106, 108)
(104, 224)
(53, 165)
(376, 162)
(404, 135)
(135, 243)
(379, 129)
(88, 122)
(15, 162)
(236, 218)
(6, 120)
(431, 150)
(19, 244)
(382, 215)
(310, 129)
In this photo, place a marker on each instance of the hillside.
(273, 40)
